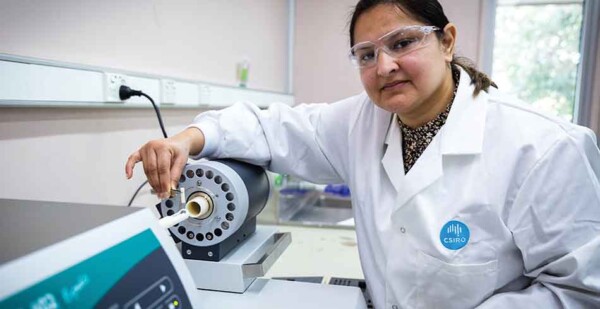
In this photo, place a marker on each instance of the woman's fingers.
(179, 161)
(151, 168)
(163, 169)
(131, 161)
(163, 161)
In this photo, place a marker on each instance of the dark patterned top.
(416, 140)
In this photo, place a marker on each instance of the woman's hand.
(164, 159)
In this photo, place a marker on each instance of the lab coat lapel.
(392, 161)
(426, 170)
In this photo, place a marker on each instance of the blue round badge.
(454, 235)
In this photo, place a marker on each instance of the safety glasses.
(396, 43)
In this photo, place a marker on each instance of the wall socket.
(112, 83)
(168, 92)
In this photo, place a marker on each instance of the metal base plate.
(238, 269)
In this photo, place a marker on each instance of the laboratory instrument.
(81, 256)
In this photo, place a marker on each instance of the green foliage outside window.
(536, 55)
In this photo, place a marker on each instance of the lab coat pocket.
(445, 285)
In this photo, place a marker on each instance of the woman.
(460, 198)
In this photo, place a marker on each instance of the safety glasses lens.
(404, 41)
(396, 44)
(363, 54)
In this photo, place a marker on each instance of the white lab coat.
(524, 184)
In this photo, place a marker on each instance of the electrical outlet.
(112, 83)
(168, 92)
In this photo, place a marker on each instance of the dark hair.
(429, 12)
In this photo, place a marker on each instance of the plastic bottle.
(243, 68)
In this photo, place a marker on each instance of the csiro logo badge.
(454, 235)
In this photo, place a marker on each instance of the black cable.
(136, 193)
(160, 122)
(126, 93)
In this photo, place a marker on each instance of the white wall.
(190, 39)
(322, 71)
(78, 155)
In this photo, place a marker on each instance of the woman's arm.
(309, 141)
(555, 221)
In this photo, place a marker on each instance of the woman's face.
(412, 84)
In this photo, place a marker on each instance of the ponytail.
(478, 78)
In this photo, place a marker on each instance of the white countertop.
(323, 252)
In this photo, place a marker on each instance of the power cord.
(126, 93)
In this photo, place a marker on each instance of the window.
(537, 52)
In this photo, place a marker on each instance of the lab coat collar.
(464, 128)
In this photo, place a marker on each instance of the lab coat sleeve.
(555, 221)
(309, 141)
